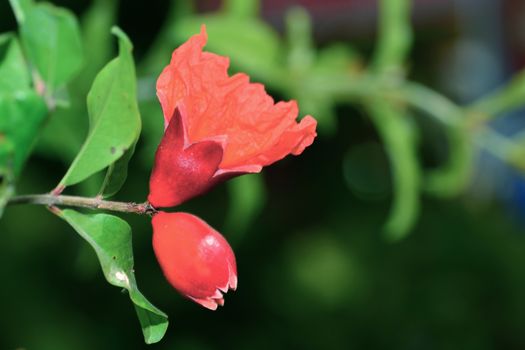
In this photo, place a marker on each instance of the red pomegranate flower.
(217, 126)
(196, 259)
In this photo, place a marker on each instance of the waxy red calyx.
(217, 126)
(196, 260)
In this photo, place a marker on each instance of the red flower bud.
(217, 126)
(196, 260)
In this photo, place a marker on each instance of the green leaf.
(154, 324)
(117, 174)
(20, 8)
(22, 115)
(51, 38)
(247, 199)
(22, 112)
(110, 237)
(6, 191)
(114, 116)
(399, 137)
(14, 74)
(7, 188)
(71, 123)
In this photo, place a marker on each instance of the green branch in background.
(503, 100)
(453, 176)
(508, 150)
(391, 120)
(395, 36)
(399, 136)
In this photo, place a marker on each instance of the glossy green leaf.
(118, 171)
(22, 115)
(14, 73)
(113, 115)
(51, 38)
(398, 135)
(71, 123)
(6, 156)
(6, 191)
(247, 199)
(110, 237)
(6, 172)
(116, 174)
(22, 112)
(20, 8)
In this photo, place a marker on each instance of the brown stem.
(83, 202)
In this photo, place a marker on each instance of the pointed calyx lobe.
(182, 170)
(217, 126)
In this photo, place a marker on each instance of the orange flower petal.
(257, 131)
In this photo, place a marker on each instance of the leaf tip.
(19, 8)
(122, 36)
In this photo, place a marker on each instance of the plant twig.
(83, 202)
(395, 35)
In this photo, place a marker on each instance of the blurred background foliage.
(420, 132)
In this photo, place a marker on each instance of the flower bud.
(196, 260)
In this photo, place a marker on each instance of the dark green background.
(314, 269)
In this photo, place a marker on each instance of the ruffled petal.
(258, 131)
